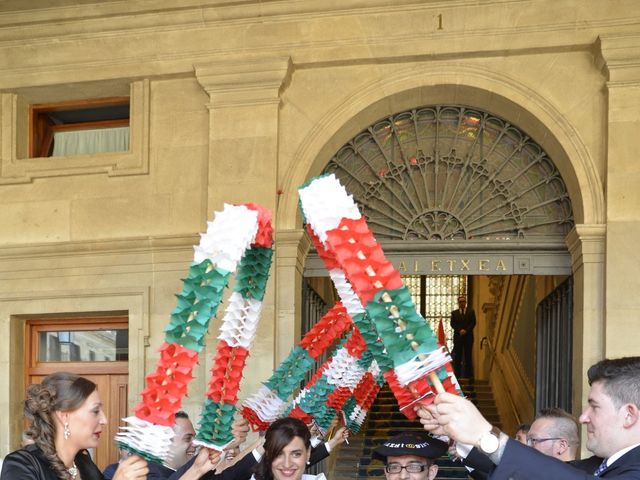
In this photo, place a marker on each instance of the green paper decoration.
(253, 273)
(374, 347)
(196, 304)
(290, 373)
(396, 342)
(348, 408)
(316, 396)
(140, 453)
(215, 423)
(324, 415)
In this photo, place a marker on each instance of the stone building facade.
(244, 101)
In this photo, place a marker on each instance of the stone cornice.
(34, 23)
(100, 247)
(586, 243)
(619, 57)
(250, 81)
(168, 41)
(285, 239)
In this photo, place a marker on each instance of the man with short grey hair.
(554, 432)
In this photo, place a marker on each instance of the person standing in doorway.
(463, 321)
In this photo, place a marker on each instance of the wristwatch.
(490, 441)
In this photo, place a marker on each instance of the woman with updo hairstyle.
(287, 447)
(66, 418)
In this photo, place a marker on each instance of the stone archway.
(443, 84)
(449, 83)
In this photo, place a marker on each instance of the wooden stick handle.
(435, 381)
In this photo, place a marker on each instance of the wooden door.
(103, 365)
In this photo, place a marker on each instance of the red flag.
(441, 338)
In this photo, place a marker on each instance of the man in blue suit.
(611, 417)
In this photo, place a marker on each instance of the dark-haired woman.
(66, 418)
(287, 448)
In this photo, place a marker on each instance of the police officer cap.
(411, 443)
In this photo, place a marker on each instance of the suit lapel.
(629, 458)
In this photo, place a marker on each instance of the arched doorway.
(449, 172)
(457, 191)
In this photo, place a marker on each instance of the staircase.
(354, 461)
(481, 395)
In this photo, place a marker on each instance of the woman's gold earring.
(67, 432)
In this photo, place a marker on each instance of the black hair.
(278, 436)
(620, 378)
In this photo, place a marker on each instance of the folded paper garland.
(374, 359)
(269, 402)
(335, 220)
(323, 397)
(356, 407)
(237, 332)
(239, 234)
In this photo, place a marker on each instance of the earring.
(66, 432)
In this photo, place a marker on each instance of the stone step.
(354, 461)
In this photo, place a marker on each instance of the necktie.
(601, 468)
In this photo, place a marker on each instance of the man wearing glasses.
(410, 455)
(611, 418)
(555, 433)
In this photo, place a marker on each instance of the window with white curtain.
(79, 127)
(83, 142)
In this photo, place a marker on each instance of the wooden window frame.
(17, 168)
(35, 326)
(41, 130)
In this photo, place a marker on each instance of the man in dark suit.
(182, 449)
(463, 320)
(612, 419)
(554, 432)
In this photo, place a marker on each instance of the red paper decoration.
(226, 373)
(264, 237)
(329, 260)
(337, 398)
(403, 395)
(166, 387)
(362, 259)
(366, 391)
(355, 344)
(334, 323)
(254, 420)
(297, 412)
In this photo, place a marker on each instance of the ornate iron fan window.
(455, 173)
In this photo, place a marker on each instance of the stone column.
(243, 165)
(291, 250)
(586, 245)
(620, 60)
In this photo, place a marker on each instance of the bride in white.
(287, 448)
